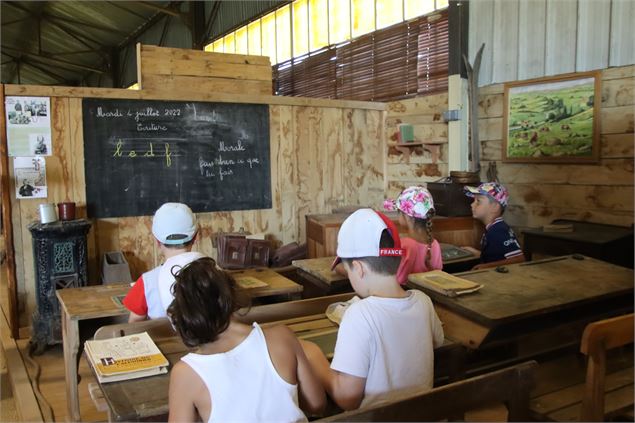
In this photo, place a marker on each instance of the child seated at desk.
(499, 243)
(422, 252)
(386, 340)
(238, 372)
(174, 227)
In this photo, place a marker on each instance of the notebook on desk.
(444, 283)
(451, 252)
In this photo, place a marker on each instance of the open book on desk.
(444, 283)
(125, 357)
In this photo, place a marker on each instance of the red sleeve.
(135, 300)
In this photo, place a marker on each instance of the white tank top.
(244, 384)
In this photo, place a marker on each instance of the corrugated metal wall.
(527, 39)
(233, 13)
(178, 35)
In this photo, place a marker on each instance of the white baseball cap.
(360, 235)
(173, 224)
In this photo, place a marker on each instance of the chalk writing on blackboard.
(142, 153)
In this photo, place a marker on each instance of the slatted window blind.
(398, 62)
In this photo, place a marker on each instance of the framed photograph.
(553, 119)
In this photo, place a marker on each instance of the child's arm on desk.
(347, 391)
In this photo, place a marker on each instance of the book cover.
(125, 357)
(444, 283)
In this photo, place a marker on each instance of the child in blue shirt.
(499, 243)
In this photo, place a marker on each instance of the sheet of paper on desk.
(444, 283)
(249, 282)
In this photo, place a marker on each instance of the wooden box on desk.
(322, 229)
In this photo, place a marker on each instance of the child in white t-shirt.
(385, 341)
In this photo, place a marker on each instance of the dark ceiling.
(60, 42)
(89, 42)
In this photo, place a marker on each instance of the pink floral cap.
(493, 190)
(413, 201)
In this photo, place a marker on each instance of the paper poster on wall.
(28, 126)
(30, 177)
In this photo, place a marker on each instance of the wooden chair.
(595, 385)
(597, 338)
(511, 386)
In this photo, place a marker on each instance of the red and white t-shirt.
(151, 295)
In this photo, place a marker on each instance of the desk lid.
(538, 287)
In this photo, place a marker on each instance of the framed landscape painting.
(553, 120)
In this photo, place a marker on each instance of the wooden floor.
(53, 388)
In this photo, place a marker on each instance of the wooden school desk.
(147, 398)
(322, 229)
(318, 270)
(555, 297)
(610, 243)
(95, 302)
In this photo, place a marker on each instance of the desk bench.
(147, 398)
(83, 306)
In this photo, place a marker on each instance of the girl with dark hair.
(422, 251)
(237, 372)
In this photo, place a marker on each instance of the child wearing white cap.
(174, 227)
(422, 252)
(377, 353)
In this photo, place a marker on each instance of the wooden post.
(12, 312)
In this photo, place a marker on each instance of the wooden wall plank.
(611, 172)
(594, 197)
(561, 37)
(191, 85)
(622, 42)
(617, 120)
(594, 25)
(430, 104)
(418, 155)
(490, 129)
(617, 146)
(423, 172)
(288, 176)
(364, 156)
(490, 106)
(525, 216)
(156, 52)
(482, 31)
(206, 68)
(618, 73)
(310, 199)
(8, 247)
(53, 91)
(505, 41)
(618, 92)
(333, 172)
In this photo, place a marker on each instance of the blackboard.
(139, 154)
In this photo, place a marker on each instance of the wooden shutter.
(401, 61)
(433, 59)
